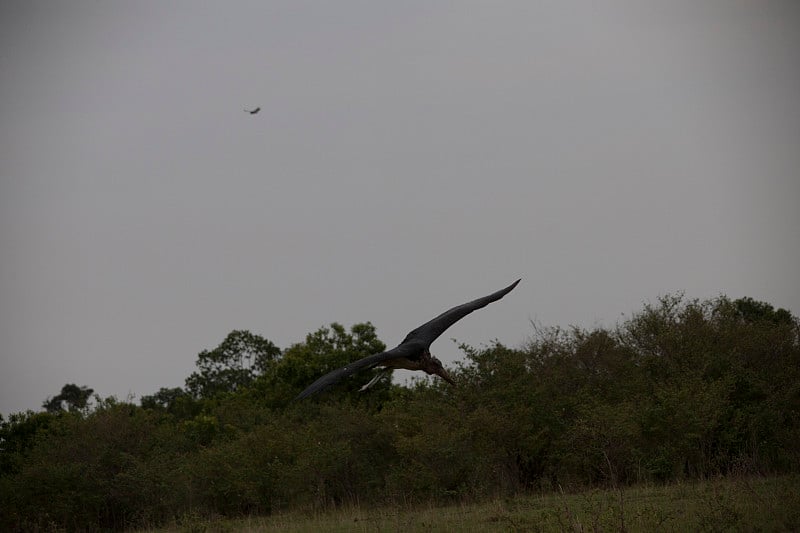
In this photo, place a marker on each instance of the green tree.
(74, 396)
(752, 310)
(174, 401)
(232, 365)
(17, 436)
(99, 472)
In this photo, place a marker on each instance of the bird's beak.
(442, 373)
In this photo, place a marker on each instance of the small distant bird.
(414, 352)
(253, 111)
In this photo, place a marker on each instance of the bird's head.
(437, 368)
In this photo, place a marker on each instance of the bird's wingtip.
(304, 394)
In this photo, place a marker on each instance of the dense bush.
(683, 389)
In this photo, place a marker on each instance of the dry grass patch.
(745, 504)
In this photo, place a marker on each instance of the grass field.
(741, 504)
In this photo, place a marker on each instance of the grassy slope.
(755, 504)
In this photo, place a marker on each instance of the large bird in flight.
(414, 352)
(252, 111)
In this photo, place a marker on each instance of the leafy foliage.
(232, 365)
(682, 390)
(76, 398)
(173, 401)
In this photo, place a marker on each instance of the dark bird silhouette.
(414, 352)
(252, 111)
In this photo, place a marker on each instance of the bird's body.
(414, 352)
(252, 111)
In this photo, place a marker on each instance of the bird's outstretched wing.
(414, 345)
(252, 111)
(430, 331)
(403, 350)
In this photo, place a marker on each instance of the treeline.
(681, 390)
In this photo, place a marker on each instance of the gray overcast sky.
(409, 156)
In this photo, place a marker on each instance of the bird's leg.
(374, 380)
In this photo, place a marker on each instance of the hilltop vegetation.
(682, 390)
